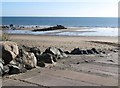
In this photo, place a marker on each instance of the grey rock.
(63, 55)
(1, 66)
(41, 64)
(115, 50)
(110, 60)
(67, 52)
(53, 51)
(1, 72)
(84, 52)
(46, 57)
(9, 51)
(6, 69)
(90, 51)
(95, 51)
(76, 51)
(36, 51)
(29, 60)
(56, 52)
(2, 61)
(14, 69)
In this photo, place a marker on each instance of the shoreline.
(68, 32)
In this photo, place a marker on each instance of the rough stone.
(6, 69)
(46, 57)
(1, 66)
(53, 51)
(36, 51)
(84, 52)
(76, 51)
(67, 52)
(41, 64)
(9, 51)
(56, 52)
(90, 52)
(95, 51)
(29, 60)
(14, 69)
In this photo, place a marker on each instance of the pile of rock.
(11, 26)
(51, 28)
(16, 59)
(78, 51)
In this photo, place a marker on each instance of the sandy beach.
(59, 44)
(76, 70)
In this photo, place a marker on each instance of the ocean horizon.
(65, 21)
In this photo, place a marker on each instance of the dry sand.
(63, 42)
(74, 70)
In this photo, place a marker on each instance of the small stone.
(110, 60)
(86, 61)
(41, 64)
(95, 51)
(6, 69)
(115, 51)
(14, 69)
(76, 51)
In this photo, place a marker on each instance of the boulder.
(1, 71)
(76, 51)
(67, 52)
(29, 60)
(56, 52)
(14, 69)
(1, 66)
(63, 55)
(51, 28)
(6, 69)
(21, 50)
(19, 64)
(41, 64)
(9, 51)
(53, 51)
(46, 57)
(84, 52)
(90, 51)
(36, 51)
(95, 51)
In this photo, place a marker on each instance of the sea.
(97, 26)
(66, 21)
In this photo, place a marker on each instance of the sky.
(61, 8)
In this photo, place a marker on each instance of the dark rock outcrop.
(46, 57)
(76, 51)
(95, 51)
(84, 52)
(51, 28)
